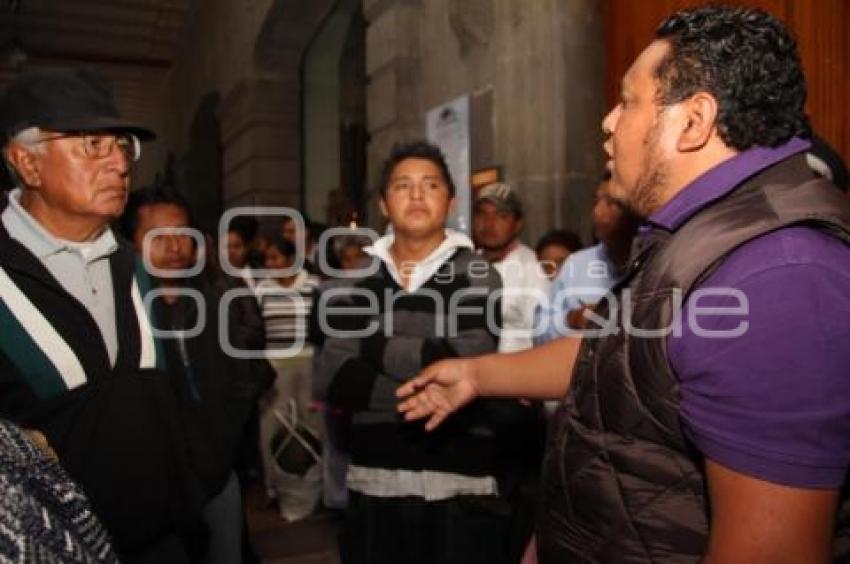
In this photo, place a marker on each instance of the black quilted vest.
(622, 483)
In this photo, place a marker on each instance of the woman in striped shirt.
(285, 301)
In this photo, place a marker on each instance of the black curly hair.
(747, 60)
(415, 150)
(563, 237)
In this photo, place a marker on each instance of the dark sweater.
(118, 434)
(445, 318)
(215, 391)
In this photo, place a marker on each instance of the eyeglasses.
(101, 145)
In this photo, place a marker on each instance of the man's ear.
(701, 122)
(452, 205)
(519, 226)
(382, 205)
(26, 164)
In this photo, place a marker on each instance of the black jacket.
(622, 481)
(215, 391)
(118, 434)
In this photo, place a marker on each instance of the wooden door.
(822, 28)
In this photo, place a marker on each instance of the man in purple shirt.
(726, 438)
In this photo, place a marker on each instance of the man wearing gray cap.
(497, 223)
(78, 361)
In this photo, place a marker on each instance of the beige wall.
(246, 54)
(535, 72)
(216, 53)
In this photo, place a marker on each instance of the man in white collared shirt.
(426, 296)
(497, 221)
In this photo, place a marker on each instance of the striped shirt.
(286, 311)
(444, 312)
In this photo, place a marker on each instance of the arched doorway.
(334, 117)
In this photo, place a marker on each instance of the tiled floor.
(309, 541)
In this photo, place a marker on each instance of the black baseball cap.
(64, 100)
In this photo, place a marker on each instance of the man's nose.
(610, 121)
(118, 160)
(173, 242)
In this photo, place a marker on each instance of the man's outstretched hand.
(440, 390)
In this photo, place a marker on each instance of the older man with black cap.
(78, 360)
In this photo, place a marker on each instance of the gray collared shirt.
(82, 269)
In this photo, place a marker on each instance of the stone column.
(545, 60)
(261, 114)
(393, 106)
(583, 37)
(260, 143)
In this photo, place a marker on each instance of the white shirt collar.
(427, 267)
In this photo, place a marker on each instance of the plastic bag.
(297, 465)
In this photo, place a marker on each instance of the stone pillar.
(261, 114)
(260, 143)
(544, 62)
(583, 44)
(393, 106)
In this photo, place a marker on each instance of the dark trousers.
(460, 530)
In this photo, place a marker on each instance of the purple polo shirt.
(773, 402)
